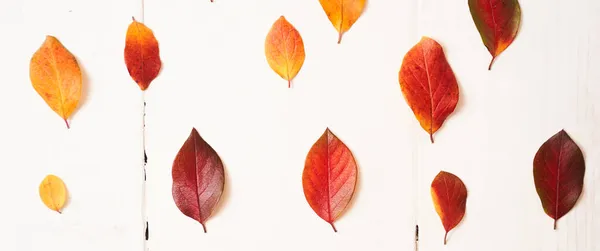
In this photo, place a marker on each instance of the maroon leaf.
(558, 171)
(198, 178)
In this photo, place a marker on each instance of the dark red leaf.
(198, 178)
(558, 171)
(329, 177)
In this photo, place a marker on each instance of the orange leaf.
(284, 49)
(56, 77)
(329, 177)
(53, 193)
(142, 55)
(449, 196)
(428, 84)
(343, 13)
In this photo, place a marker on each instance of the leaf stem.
(203, 227)
(289, 83)
(340, 37)
(431, 137)
(445, 237)
(67, 122)
(491, 62)
(554, 224)
(333, 226)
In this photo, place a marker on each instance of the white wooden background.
(215, 78)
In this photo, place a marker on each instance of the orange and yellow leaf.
(142, 55)
(343, 13)
(284, 49)
(56, 77)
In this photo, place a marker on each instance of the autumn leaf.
(53, 193)
(498, 22)
(343, 13)
(449, 196)
(284, 49)
(428, 84)
(558, 171)
(198, 178)
(329, 177)
(142, 55)
(56, 77)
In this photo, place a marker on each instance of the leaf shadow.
(85, 89)
(461, 222)
(461, 101)
(225, 196)
(68, 201)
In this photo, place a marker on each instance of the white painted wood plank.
(99, 158)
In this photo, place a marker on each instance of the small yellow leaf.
(56, 77)
(53, 193)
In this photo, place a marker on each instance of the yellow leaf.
(343, 13)
(56, 77)
(53, 193)
(284, 49)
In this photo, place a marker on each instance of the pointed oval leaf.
(497, 22)
(343, 13)
(329, 177)
(198, 178)
(449, 196)
(142, 56)
(56, 77)
(53, 192)
(284, 49)
(428, 84)
(558, 171)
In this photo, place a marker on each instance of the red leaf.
(497, 22)
(558, 171)
(329, 177)
(142, 55)
(198, 178)
(428, 84)
(449, 196)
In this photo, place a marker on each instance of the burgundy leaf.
(558, 171)
(198, 178)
